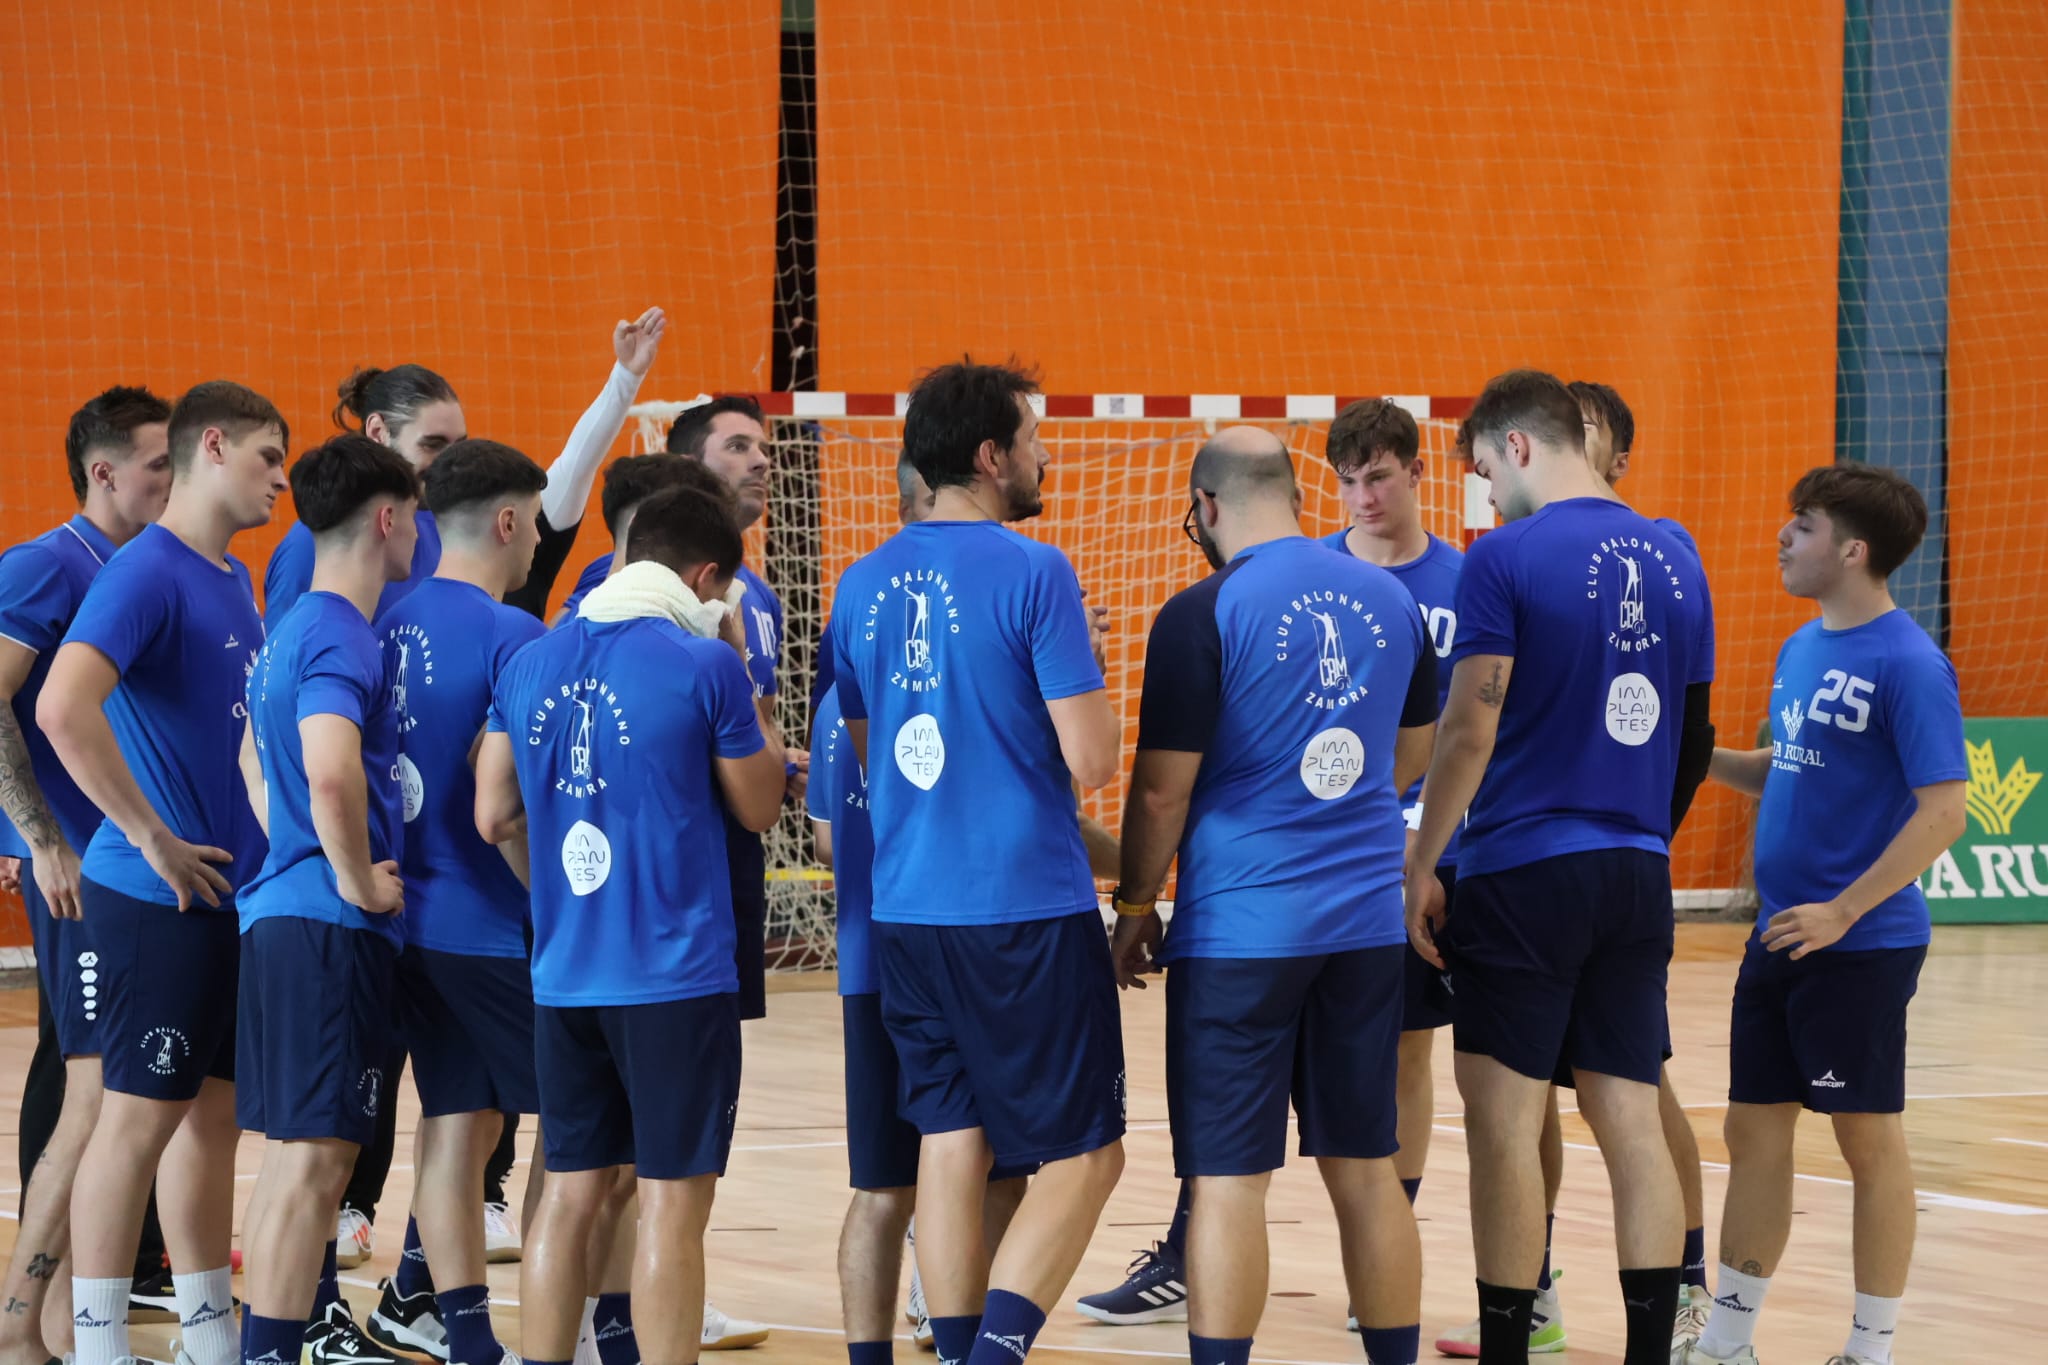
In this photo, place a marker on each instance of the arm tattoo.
(20, 795)
(17, 1307)
(41, 1267)
(1493, 692)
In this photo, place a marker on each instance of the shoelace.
(1146, 1258)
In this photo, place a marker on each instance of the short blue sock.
(329, 1290)
(1219, 1350)
(612, 1326)
(1695, 1266)
(870, 1353)
(1177, 1232)
(1009, 1324)
(1391, 1345)
(271, 1340)
(466, 1315)
(954, 1337)
(1549, 1225)
(412, 1277)
(1411, 1188)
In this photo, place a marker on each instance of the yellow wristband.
(1129, 910)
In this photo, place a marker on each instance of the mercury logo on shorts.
(88, 984)
(166, 1048)
(1827, 1081)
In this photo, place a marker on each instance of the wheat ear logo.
(1991, 800)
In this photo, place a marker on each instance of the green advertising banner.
(1998, 871)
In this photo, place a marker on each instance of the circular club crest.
(1332, 763)
(921, 751)
(586, 857)
(1633, 709)
(412, 787)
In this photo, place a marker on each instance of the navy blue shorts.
(655, 1087)
(70, 972)
(747, 861)
(316, 1031)
(1565, 957)
(881, 1148)
(167, 993)
(1827, 1031)
(1010, 1028)
(1425, 1004)
(1243, 1035)
(468, 1022)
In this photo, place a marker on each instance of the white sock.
(206, 1316)
(586, 1336)
(99, 1319)
(1870, 1331)
(1738, 1298)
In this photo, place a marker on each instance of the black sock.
(1651, 1298)
(1504, 1324)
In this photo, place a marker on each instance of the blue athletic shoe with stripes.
(1155, 1290)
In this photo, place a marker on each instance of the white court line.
(1043, 1345)
(2023, 1142)
(1910, 1099)
(1946, 1201)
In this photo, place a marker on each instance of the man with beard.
(968, 650)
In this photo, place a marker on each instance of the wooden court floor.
(1977, 1118)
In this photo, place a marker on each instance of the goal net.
(1115, 495)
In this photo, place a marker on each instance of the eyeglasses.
(1190, 525)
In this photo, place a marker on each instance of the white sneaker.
(1695, 1302)
(1846, 1359)
(722, 1333)
(1693, 1355)
(501, 1235)
(351, 1239)
(913, 1307)
(1546, 1328)
(586, 1337)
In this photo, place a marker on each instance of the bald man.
(1288, 700)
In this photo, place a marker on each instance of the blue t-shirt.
(594, 573)
(1606, 617)
(615, 728)
(763, 612)
(290, 571)
(951, 637)
(322, 660)
(444, 646)
(42, 581)
(838, 795)
(1432, 580)
(1859, 718)
(183, 633)
(1290, 671)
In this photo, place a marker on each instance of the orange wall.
(1406, 198)
(1998, 355)
(275, 194)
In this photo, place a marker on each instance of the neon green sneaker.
(1546, 1328)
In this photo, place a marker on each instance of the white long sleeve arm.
(574, 471)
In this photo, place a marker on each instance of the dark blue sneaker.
(1155, 1291)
